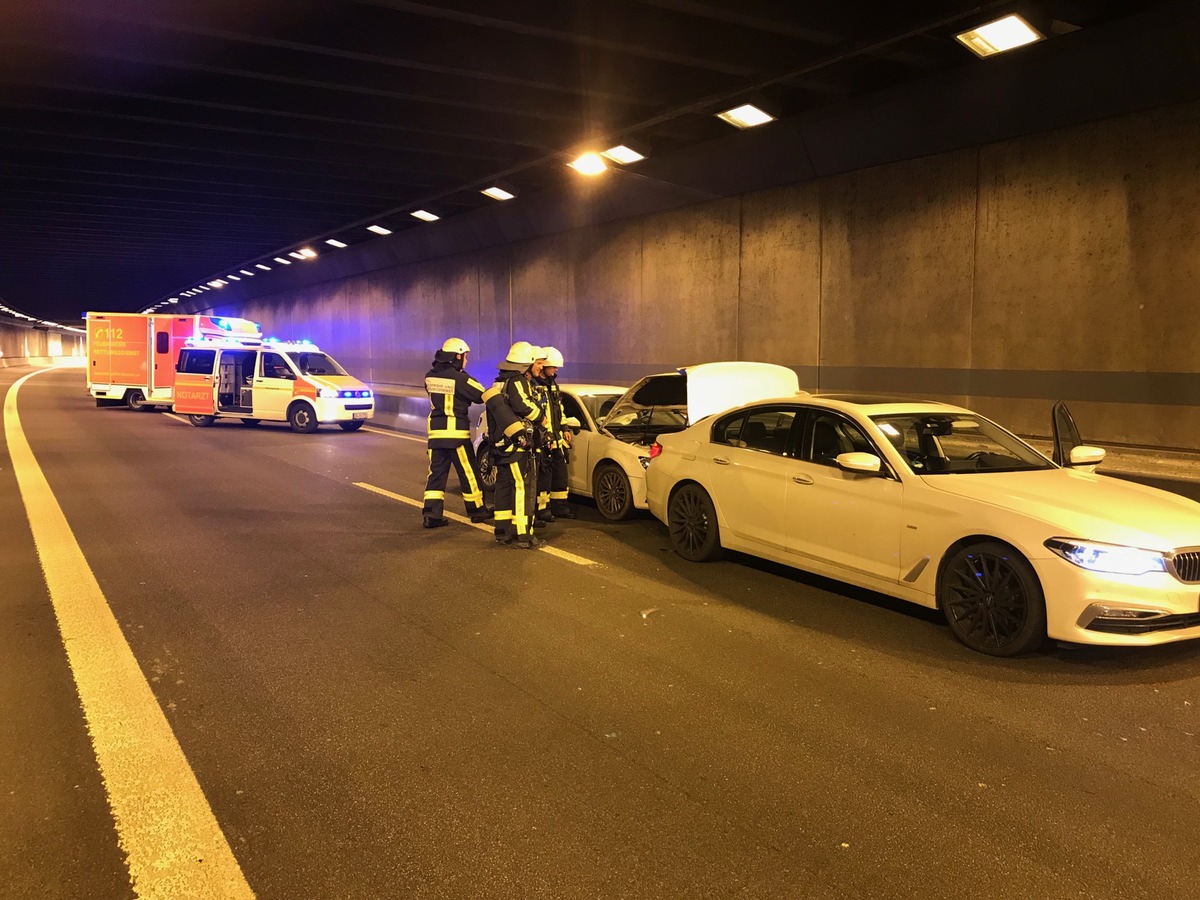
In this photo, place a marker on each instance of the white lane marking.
(395, 434)
(173, 844)
(553, 551)
(177, 417)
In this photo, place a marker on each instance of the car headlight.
(327, 393)
(1111, 558)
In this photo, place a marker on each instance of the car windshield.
(598, 405)
(957, 443)
(312, 363)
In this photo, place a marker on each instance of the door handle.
(720, 460)
(802, 479)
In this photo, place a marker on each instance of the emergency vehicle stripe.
(172, 841)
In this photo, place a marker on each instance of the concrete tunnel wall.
(1057, 266)
(22, 345)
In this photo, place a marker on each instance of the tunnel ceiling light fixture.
(172, 299)
(233, 277)
(282, 261)
(424, 215)
(307, 253)
(1003, 34)
(623, 154)
(378, 229)
(334, 242)
(296, 254)
(588, 164)
(261, 266)
(497, 193)
(746, 116)
(247, 272)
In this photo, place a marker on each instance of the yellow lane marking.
(173, 844)
(553, 551)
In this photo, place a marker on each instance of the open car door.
(1066, 435)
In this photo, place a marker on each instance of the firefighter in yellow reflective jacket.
(558, 444)
(511, 415)
(451, 392)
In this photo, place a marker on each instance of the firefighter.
(559, 444)
(451, 392)
(511, 413)
(541, 439)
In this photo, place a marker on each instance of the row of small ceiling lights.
(1003, 34)
(36, 321)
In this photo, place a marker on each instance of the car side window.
(571, 407)
(764, 429)
(829, 435)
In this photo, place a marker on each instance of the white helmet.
(522, 353)
(455, 345)
(553, 358)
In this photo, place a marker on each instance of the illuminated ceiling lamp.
(378, 229)
(424, 215)
(498, 192)
(588, 164)
(1002, 34)
(747, 115)
(624, 154)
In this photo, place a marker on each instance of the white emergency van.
(279, 381)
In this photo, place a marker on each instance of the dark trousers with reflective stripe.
(462, 458)
(558, 480)
(516, 495)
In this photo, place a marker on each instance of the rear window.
(196, 362)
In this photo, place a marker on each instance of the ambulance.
(132, 356)
(277, 381)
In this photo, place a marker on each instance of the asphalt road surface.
(371, 710)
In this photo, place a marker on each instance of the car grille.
(353, 406)
(1187, 565)
(1132, 626)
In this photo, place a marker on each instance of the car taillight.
(655, 449)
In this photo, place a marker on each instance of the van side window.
(162, 342)
(275, 366)
(196, 362)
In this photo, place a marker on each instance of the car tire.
(202, 421)
(136, 401)
(992, 599)
(692, 524)
(351, 426)
(485, 465)
(302, 418)
(612, 492)
(250, 421)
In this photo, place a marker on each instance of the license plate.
(361, 415)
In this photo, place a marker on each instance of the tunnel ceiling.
(149, 146)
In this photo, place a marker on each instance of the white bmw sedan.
(940, 506)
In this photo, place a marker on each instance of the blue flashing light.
(223, 323)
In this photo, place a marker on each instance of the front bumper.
(1085, 607)
(338, 409)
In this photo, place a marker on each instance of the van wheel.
(250, 421)
(202, 421)
(351, 426)
(136, 401)
(302, 418)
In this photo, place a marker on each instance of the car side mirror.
(1086, 458)
(859, 463)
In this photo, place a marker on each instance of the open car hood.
(715, 387)
(694, 392)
